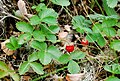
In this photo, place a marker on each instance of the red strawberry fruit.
(84, 42)
(69, 48)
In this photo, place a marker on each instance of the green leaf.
(48, 16)
(50, 20)
(82, 23)
(73, 67)
(110, 32)
(24, 27)
(37, 67)
(97, 16)
(35, 20)
(91, 37)
(10, 46)
(100, 40)
(24, 38)
(44, 57)
(33, 57)
(51, 37)
(24, 67)
(112, 3)
(3, 66)
(97, 28)
(34, 7)
(113, 68)
(77, 55)
(14, 42)
(78, 21)
(79, 30)
(118, 24)
(54, 28)
(96, 37)
(109, 22)
(54, 51)
(115, 45)
(42, 0)
(61, 2)
(45, 29)
(109, 11)
(118, 32)
(39, 35)
(112, 78)
(40, 7)
(39, 45)
(100, 17)
(65, 58)
(15, 76)
(88, 30)
(3, 74)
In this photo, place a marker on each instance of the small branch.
(8, 15)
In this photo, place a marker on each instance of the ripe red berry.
(84, 42)
(69, 48)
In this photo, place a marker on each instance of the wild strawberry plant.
(41, 29)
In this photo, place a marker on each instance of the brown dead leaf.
(67, 27)
(74, 77)
(25, 78)
(62, 35)
(57, 78)
(5, 49)
(22, 7)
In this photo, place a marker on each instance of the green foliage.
(39, 7)
(109, 11)
(33, 57)
(5, 71)
(65, 58)
(54, 51)
(24, 27)
(38, 45)
(112, 3)
(115, 45)
(34, 20)
(113, 68)
(48, 54)
(24, 67)
(41, 34)
(37, 67)
(81, 24)
(49, 32)
(24, 38)
(61, 2)
(101, 17)
(44, 57)
(77, 55)
(112, 78)
(73, 67)
(13, 44)
(96, 37)
(48, 16)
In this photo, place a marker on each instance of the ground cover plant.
(60, 40)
